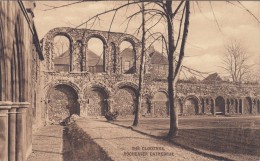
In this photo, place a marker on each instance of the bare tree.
(235, 61)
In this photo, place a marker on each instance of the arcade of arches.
(102, 77)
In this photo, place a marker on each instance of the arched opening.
(240, 106)
(97, 102)
(127, 58)
(125, 101)
(161, 104)
(203, 104)
(191, 106)
(179, 106)
(61, 54)
(236, 106)
(96, 56)
(62, 102)
(233, 106)
(247, 105)
(220, 105)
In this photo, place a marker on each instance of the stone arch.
(131, 85)
(62, 102)
(161, 103)
(61, 33)
(220, 105)
(96, 35)
(159, 90)
(65, 82)
(125, 100)
(129, 38)
(103, 87)
(191, 105)
(248, 104)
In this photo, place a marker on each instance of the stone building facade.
(92, 94)
(20, 54)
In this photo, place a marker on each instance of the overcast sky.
(206, 41)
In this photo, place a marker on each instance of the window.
(62, 57)
(127, 54)
(96, 56)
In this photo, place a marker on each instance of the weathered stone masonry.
(94, 94)
(20, 53)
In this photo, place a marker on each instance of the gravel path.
(126, 145)
(47, 144)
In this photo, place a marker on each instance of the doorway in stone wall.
(220, 105)
(191, 105)
(125, 101)
(97, 102)
(62, 103)
(161, 104)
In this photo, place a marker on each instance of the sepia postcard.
(129, 80)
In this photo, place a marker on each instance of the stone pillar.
(12, 131)
(83, 107)
(226, 106)
(152, 108)
(254, 111)
(46, 116)
(85, 56)
(199, 107)
(106, 62)
(242, 106)
(110, 103)
(203, 105)
(4, 107)
(118, 61)
(21, 131)
(214, 107)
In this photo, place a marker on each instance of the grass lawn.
(236, 138)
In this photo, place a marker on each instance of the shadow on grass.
(78, 146)
(209, 137)
(231, 140)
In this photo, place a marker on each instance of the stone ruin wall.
(110, 91)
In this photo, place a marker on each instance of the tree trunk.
(174, 73)
(171, 90)
(141, 73)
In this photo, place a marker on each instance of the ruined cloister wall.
(114, 91)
